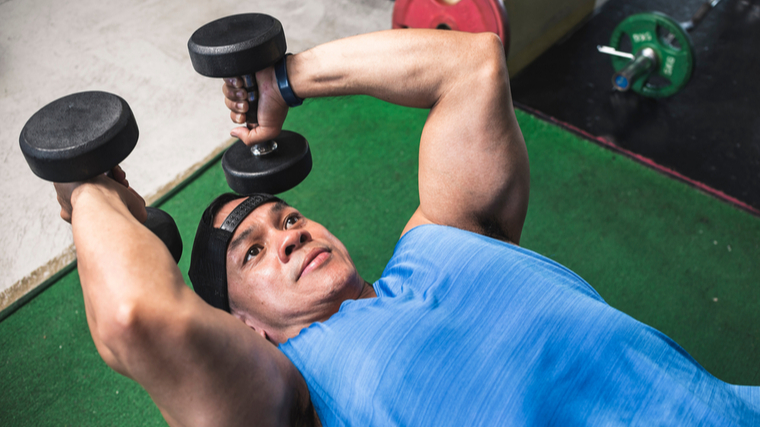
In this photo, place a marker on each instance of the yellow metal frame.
(536, 25)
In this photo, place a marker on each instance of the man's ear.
(251, 324)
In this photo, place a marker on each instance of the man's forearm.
(122, 266)
(411, 67)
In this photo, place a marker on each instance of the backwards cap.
(208, 262)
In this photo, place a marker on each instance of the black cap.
(208, 261)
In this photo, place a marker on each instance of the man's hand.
(272, 108)
(67, 193)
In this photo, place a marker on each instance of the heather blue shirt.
(470, 331)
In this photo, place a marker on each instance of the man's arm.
(473, 171)
(204, 367)
(200, 365)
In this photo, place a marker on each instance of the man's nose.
(292, 240)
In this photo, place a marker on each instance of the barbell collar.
(643, 64)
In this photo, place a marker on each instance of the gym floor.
(709, 132)
(661, 251)
(656, 248)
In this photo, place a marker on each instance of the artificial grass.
(660, 251)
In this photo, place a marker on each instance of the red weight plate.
(474, 16)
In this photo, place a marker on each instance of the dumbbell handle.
(262, 148)
(249, 82)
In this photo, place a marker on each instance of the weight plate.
(237, 45)
(79, 136)
(273, 173)
(473, 16)
(675, 54)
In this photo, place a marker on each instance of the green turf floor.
(660, 251)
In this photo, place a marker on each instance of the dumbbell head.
(273, 173)
(241, 45)
(83, 135)
(237, 45)
(79, 136)
(163, 226)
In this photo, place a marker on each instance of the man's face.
(285, 272)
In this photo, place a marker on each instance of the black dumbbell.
(85, 134)
(239, 46)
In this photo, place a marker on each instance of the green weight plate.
(675, 53)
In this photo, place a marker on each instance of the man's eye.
(291, 221)
(255, 250)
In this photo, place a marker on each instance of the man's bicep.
(214, 370)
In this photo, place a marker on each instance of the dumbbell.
(239, 46)
(83, 135)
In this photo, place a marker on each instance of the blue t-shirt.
(470, 331)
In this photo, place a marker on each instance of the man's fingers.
(234, 81)
(118, 175)
(63, 195)
(65, 209)
(256, 135)
(234, 93)
(65, 216)
(241, 133)
(133, 201)
(236, 101)
(137, 207)
(238, 118)
(271, 108)
(140, 199)
(264, 133)
(236, 106)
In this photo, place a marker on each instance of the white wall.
(136, 49)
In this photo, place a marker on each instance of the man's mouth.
(314, 259)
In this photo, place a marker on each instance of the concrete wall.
(136, 49)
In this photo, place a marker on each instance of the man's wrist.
(286, 90)
(90, 189)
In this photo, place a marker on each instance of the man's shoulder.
(435, 238)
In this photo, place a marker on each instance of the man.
(464, 327)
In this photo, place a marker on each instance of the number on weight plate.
(642, 37)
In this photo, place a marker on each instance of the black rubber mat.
(708, 133)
